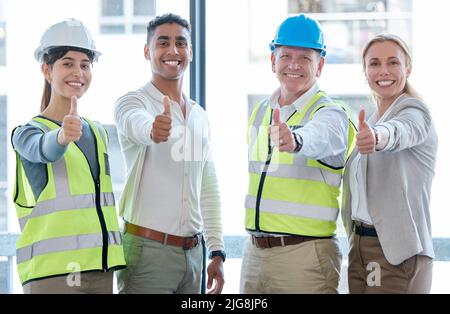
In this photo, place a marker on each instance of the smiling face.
(296, 70)
(169, 51)
(387, 70)
(70, 75)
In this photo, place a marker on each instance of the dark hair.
(163, 19)
(50, 58)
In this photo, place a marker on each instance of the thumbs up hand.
(162, 124)
(71, 128)
(280, 134)
(365, 139)
(276, 117)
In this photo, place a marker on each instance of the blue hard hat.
(299, 31)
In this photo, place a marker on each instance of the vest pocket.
(106, 160)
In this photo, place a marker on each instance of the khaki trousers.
(308, 267)
(153, 267)
(95, 282)
(370, 272)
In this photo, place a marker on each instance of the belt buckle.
(195, 238)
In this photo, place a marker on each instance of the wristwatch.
(298, 142)
(222, 255)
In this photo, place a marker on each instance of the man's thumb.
(73, 106)
(166, 102)
(276, 117)
(362, 119)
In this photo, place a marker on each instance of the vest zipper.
(262, 179)
(98, 206)
(261, 186)
(264, 174)
(103, 226)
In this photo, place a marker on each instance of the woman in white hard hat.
(387, 184)
(70, 240)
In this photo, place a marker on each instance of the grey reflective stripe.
(256, 123)
(101, 131)
(67, 203)
(69, 243)
(39, 125)
(296, 171)
(61, 178)
(293, 209)
(260, 114)
(322, 100)
(263, 108)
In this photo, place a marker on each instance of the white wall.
(226, 101)
(431, 68)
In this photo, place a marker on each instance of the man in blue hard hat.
(299, 141)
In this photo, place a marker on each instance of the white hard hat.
(71, 33)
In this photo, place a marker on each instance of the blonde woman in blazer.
(387, 183)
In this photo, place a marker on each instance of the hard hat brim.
(39, 53)
(321, 50)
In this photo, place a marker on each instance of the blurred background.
(237, 75)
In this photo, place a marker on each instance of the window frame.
(128, 20)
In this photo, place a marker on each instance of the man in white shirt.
(299, 141)
(171, 195)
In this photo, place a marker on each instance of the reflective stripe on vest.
(298, 195)
(296, 172)
(78, 242)
(293, 209)
(67, 203)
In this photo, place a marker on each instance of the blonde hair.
(380, 38)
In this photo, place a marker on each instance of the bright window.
(121, 68)
(354, 21)
(126, 16)
(238, 33)
(3, 165)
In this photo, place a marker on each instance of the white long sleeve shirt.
(325, 136)
(172, 186)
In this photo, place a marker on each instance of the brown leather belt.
(268, 242)
(186, 243)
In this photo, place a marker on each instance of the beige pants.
(370, 272)
(308, 267)
(153, 267)
(96, 282)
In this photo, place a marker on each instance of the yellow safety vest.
(289, 193)
(72, 226)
